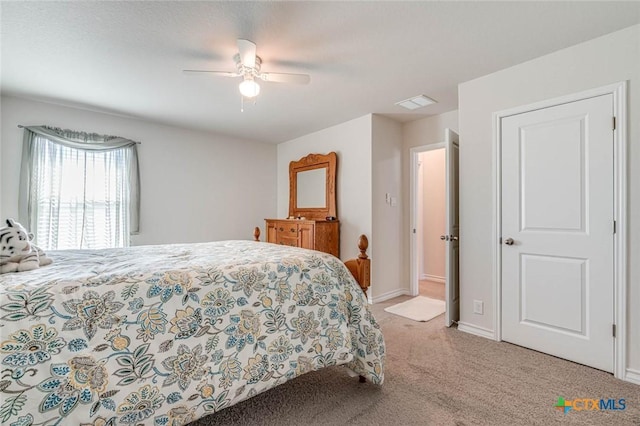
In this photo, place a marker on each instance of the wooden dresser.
(318, 235)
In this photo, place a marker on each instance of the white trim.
(620, 195)
(414, 288)
(611, 89)
(390, 295)
(496, 172)
(434, 278)
(476, 330)
(632, 376)
(619, 93)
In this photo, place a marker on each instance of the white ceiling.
(126, 57)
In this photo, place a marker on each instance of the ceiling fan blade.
(219, 73)
(280, 77)
(247, 50)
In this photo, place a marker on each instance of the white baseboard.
(390, 295)
(632, 376)
(476, 330)
(434, 278)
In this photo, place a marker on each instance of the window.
(80, 189)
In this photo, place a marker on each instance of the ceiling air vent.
(416, 102)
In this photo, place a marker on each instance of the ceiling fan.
(248, 67)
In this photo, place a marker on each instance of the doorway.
(431, 223)
(434, 254)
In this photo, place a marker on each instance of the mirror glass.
(311, 188)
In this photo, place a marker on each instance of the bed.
(164, 335)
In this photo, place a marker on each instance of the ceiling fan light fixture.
(248, 66)
(249, 88)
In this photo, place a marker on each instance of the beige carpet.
(418, 308)
(439, 376)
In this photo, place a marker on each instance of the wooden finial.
(360, 267)
(256, 233)
(363, 244)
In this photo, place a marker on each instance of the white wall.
(195, 186)
(602, 61)
(427, 131)
(352, 143)
(386, 267)
(431, 223)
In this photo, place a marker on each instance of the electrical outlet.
(393, 201)
(478, 307)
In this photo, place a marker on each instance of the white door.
(452, 254)
(557, 231)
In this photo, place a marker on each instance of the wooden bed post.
(256, 233)
(360, 268)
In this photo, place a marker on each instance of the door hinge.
(613, 330)
(614, 226)
(614, 123)
(414, 230)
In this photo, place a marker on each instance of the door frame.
(619, 92)
(414, 288)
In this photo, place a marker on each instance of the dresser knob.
(281, 229)
(293, 229)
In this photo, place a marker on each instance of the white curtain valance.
(80, 140)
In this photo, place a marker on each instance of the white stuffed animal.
(17, 254)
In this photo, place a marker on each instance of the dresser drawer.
(293, 242)
(286, 230)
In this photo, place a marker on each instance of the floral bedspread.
(163, 335)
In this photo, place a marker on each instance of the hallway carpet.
(432, 289)
(440, 376)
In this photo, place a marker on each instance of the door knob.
(509, 241)
(444, 237)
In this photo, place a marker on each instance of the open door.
(451, 226)
(451, 237)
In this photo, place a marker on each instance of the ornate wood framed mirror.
(312, 186)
